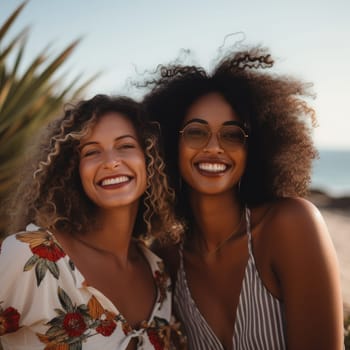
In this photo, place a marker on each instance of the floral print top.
(45, 304)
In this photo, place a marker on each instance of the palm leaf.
(28, 100)
(6, 26)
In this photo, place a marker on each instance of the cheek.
(82, 169)
(184, 162)
(85, 173)
(241, 161)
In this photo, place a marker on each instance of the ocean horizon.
(331, 172)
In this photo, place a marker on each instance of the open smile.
(212, 168)
(116, 181)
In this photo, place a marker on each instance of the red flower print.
(107, 324)
(46, 251)
(163, 335)
(49, 250)
(74, 324)
(43, 244)
(106, 327)
(155, 340)
(9, 320)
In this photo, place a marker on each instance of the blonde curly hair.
(51, 194)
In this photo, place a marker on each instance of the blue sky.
(309, 39)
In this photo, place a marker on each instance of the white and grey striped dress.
(259, 319)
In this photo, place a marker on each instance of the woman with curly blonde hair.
(256, 268)
(79, 277)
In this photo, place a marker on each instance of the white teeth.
(212, 167)
(114, 180)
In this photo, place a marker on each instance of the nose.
(213, 143)
(111, 160)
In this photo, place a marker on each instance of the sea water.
(331, 172)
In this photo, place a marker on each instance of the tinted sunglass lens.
(196, 136)
(232, 136)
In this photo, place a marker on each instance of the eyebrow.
(96, 143)
(202, 121)
(195, 120)
(233, 122)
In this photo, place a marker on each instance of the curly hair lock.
(51, 194)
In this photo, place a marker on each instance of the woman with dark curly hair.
(78, 277)
(256, 268)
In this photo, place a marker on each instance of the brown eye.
(89, 153)
(196, 132)
(195, 136)
(232, 135)
(126, 146)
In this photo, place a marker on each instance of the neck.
(217, 217)
(113, 233)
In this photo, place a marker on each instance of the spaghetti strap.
(181, 255)
(249, 233)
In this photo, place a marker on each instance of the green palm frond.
(28, 100)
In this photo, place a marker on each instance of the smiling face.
(211, 169)
(112, 164)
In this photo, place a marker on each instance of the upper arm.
(307, 268)
(12, 290)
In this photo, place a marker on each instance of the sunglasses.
(230, 137)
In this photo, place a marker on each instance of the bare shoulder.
(290, 208)
(289, 218)
(296, 228)
(297, 217)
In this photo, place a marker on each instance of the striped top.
(259, 321)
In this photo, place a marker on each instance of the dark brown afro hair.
(274, 107)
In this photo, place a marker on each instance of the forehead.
(212, 108)
(112, 124)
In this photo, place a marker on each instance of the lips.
(114, 181)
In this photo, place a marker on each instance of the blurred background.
(56, 51)
(122, 39)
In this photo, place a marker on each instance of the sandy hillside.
(338, 222)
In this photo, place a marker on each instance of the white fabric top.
(45, 303)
